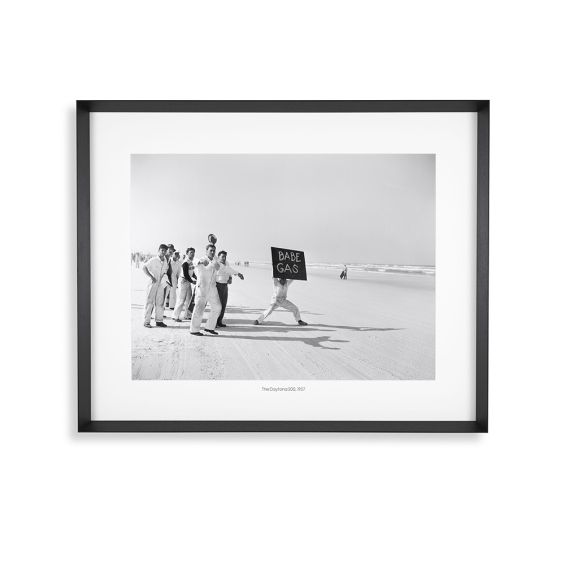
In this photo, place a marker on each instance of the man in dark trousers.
(222, 281)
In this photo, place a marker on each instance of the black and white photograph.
(280, 245)
(283, 266)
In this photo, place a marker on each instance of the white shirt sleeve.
(211, 266)
(227, 270)
(153, 265)
(198, 267)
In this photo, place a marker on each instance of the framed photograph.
(266, 266)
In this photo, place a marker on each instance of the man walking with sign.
(279, 300)
(288, 265)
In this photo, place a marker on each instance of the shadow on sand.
(356, 328)
(242, 324)
(313, 341)
(257, 311)
(246, 326)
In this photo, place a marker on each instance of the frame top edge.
(360, 106)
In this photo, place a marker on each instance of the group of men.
(189, 285)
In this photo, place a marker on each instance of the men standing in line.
(156, 269)
(206, 291)
(171, 292)
(185, 283)
(279, 299)
(222, 278)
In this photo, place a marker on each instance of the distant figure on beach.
(279, 299)
(223, 278)
(184, 290)
(343, 275)
(206, 292)
(156, 269)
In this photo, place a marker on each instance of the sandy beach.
(371, 326)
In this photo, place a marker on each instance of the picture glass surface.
(361, 228)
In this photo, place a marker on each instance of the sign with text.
(288, 263)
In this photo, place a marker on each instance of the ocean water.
(428, 270)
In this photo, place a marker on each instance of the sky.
(342, 208)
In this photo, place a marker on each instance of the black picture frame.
(83, 110)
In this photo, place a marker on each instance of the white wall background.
(281, 498)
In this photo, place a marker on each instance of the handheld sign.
(288, 263)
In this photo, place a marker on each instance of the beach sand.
(371, 326)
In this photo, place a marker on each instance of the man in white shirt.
(279, 299)
(222, 279)
(206, 292)
(186, 280)
(175, 271)
(156, 269)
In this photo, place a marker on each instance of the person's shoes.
(211, 331)
(177, 320)
(301, 323)
(196, 333)
(221, 326)
(256, 323)
(161, 325)
(147, 325)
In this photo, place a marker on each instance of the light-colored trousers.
(286, 304)
(171, 292)
(200, 301)
(155, 298)
(184, 296)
